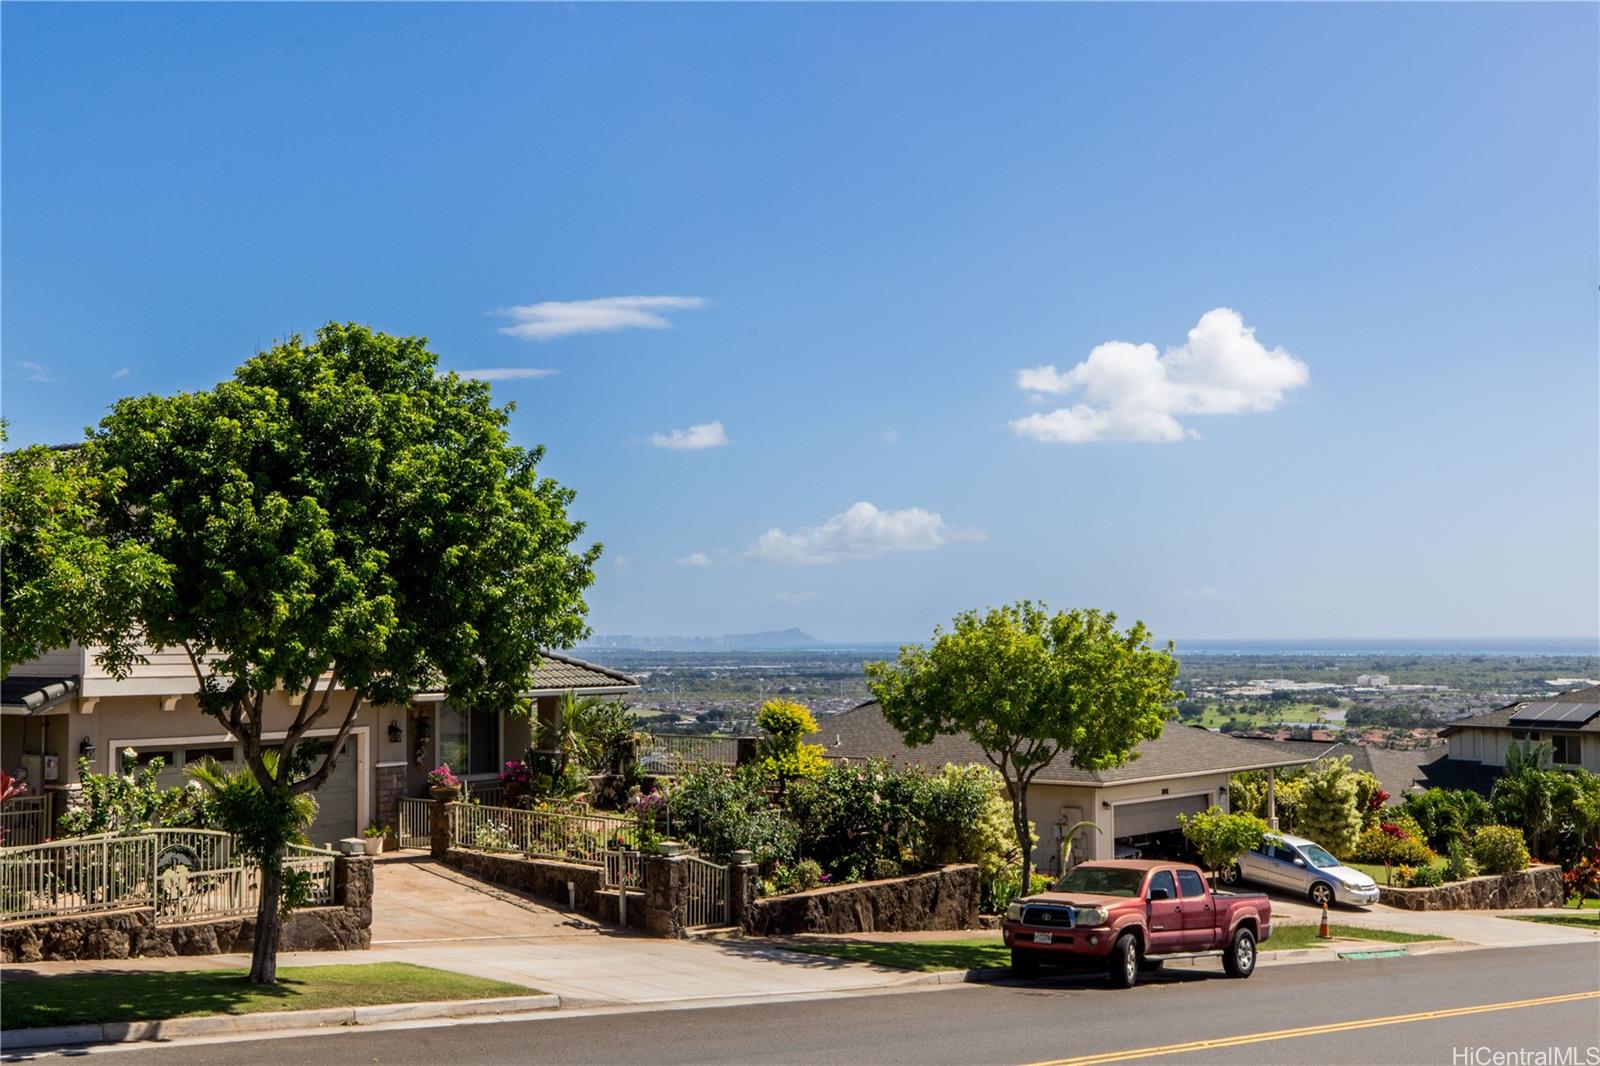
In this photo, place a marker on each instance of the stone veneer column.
(391, 788)
(439, 828)
(666, 893)
(743, 876)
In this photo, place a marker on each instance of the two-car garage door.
(1146, 819)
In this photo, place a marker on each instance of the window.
(1191, 884)
(1565, 749)
(1101, 881)
(145, 758)
(221, 754)
(1163, 880)
(469, 741)
(1284, 854)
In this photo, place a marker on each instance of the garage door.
(1155, 816)
(336, 801)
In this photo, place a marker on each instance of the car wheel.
(1230, 874)
(1240, 958)
(1024, 963)
(1322, 894)
(1123, 965)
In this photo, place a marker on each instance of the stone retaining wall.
(940, 899)
(545, 878)
(1537, 886)
(133, 933)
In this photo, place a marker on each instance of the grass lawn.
(1289, 937)
(1376, 871)
(1586, 919)
(75, 999)
(971, 954)
(1583, 904)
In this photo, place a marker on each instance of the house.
(1135, 805)
(64, 705)
(1398, 771)
(1569, 722)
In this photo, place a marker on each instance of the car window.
(1319, 857)
(1163, 879)
(1283, 854)
(1191, 883)
(1101, 881)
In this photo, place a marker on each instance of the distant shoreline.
(1493, 647)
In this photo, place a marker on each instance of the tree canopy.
(340, 517)
(1026, 685)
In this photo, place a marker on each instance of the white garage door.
(1154, 816)
(336, 800)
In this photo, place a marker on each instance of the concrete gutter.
(266, 1022)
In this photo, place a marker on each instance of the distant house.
(63, 706)
(1398, 771)
(1135, 805)
(1568, 722)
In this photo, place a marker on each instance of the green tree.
(65, 582)
(1329, 811)
(1025, 685)
(1220, 838)
(1527, 793)
(785, 725)
(340, 517)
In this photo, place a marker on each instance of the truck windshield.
(1102, 881)
(1319, 858)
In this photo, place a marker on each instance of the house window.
(1565, 750)
(469, 741)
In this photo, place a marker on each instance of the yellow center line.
(1313, 1030)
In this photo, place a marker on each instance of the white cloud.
(119, 375)
(507, 373)
(1204, 592)
(562, 318)
(695, 559)
(862, 532)
(704, 435)
(796, 597)
(891, 435)
(1132, 392)
(36, 371)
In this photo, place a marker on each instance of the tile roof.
(31, 695)
(562, 673)
(1180, 751)
(1500, 718)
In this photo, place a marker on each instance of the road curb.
(266, 1022)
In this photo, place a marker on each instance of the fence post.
(745, 750)
(440, 828)
(742, 878)
(666, 892)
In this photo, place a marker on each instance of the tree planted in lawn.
(1025, 685)
(1220, 837)
(339, 518)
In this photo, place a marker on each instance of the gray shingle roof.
(1500, 718)
(1180, 751)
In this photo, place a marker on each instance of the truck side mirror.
(1159, 894)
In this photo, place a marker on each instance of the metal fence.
(709, 892)
(25, 820)
(183, 874)
(414, 831)
(624, 869)
(489, 794)
(541, 834)
(665, 753)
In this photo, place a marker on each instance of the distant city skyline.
(1236, 319)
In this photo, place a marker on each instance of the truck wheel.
(1123, 965)
(1322, 894)
(1240, 958)
(1024, 964)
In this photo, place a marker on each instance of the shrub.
(1459, 864)
(1328, 811)
(1427, 876)
(1582, 879)
(1369, 796)
(722, 810)
(1499, 849)
(961, 814)
(800, 877)
(1447, 815)
(854, 815)
(132, 800)
(1390, 845)
(783, 755)
(1220, 837)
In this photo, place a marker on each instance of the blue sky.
(864, 230)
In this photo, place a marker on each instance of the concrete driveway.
(418, 901)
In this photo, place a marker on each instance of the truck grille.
(1061, 917)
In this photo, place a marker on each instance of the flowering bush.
(854, 815)
(441, 777)
(1391, 845)
(1582, 878)
(1419, 876)
(517, 775)
(1499, 849)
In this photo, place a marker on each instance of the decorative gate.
(708, 891)
(414, 831)
(624, 869)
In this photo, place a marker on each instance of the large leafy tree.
(343, 523)
(1026, 685)
(63, 581)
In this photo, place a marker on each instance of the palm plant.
(590, 731)
(240, 806)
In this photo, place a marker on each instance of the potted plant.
(442, 784)
(517, 779)
(373, 838)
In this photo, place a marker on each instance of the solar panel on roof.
(1551, 712)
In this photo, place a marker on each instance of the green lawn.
(1289, 937)
(970, 954)
(1378, 873)
(77, 999)
(1583, 904)
(1587, 919)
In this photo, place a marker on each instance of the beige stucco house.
(1135, 806)
(62, 706)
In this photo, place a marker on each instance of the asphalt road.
(1053, 1019)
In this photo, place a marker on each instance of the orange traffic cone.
(1322, 930)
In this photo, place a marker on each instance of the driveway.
(416, 901)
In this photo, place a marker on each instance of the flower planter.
(374, 845)
(444, 793)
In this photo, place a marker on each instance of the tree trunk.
(269, 925)
(1019, 823)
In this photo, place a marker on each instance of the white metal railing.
(541, 834)
(669, 754)
(708, 892)
(414, 830)
(489, 794)
(25, 820)
(624, 869)
(182, 874)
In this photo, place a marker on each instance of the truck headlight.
(1014, 912)
(1091, 916)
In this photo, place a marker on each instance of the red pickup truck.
(1125, 915)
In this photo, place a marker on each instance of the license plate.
(1042, 938)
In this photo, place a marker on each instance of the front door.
(1164, 916)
